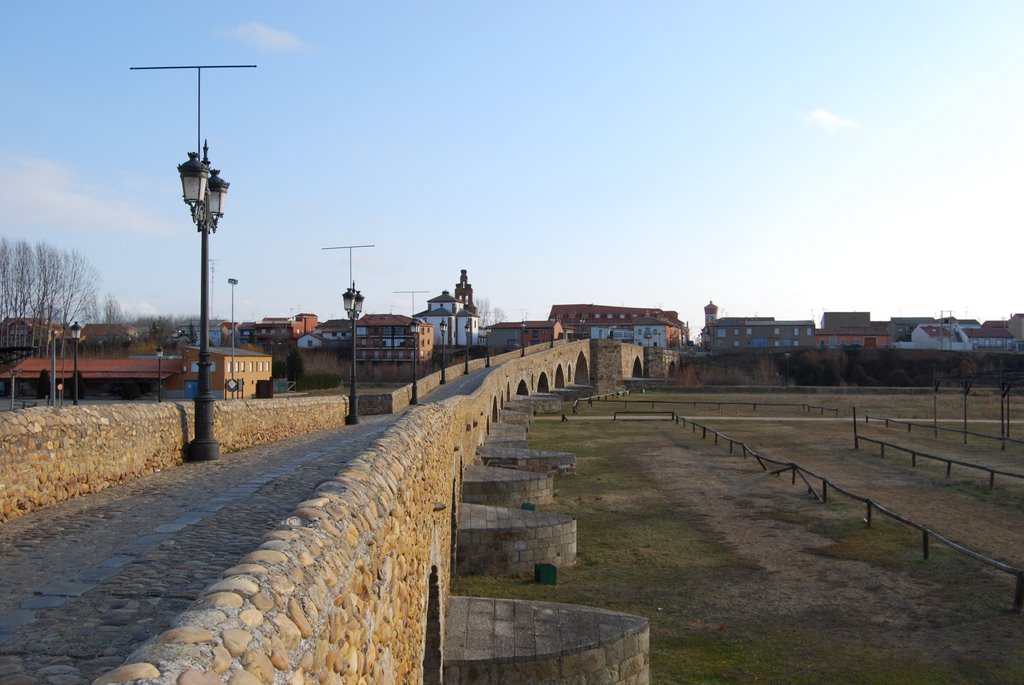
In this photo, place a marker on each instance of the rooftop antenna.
(413, 294)
(351, 282)
(199, 87)
(523, 313)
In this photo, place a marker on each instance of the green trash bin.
(545, 574)
(529, 506)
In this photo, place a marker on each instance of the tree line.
(45, 286)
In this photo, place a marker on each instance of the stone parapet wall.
(352, 587)
(339, 591)
(49, 455)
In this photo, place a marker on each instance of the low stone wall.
(503, 541)
(48, 455)
(352, 587)
(516, 641)
(502, 454)
(506, 488)
(344, 589)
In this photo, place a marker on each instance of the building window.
(750, 331)
(776, 330)
(810, 332)
(720, 332)
(735, 331)
(796, 332)
(735, 343)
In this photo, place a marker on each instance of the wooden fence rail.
(870, 506)
(914, 454)
(935, 428)
(807, 408)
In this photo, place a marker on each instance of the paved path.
(84, 582)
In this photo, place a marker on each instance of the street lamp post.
(414, 331)
(159, 374)
(444, 347)
(205, 192)
(522, 341)
(487, 348)
(469, 330)
(76, 335)
(353, 300)
(233, 282)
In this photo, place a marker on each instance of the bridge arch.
(559, 377)
(522, 389)
(582, 370)
(638, 368)
(494, 412)
(542, 382)
(672, 369)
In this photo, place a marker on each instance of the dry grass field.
(746, 578)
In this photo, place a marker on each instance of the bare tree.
(499, 315)
(78, 284)
(17, 285)
(112, 312)
(483, 310)
(45, 287)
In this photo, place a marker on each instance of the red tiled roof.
(385, 319)
(144, 368)
(988, 332)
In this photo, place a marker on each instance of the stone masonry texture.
(336, 589)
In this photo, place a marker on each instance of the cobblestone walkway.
(83, 583)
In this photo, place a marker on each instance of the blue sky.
(782, 159)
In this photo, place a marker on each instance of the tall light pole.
(522, 340)
(353, 301)
(76, 335)
(233, 282)
(444, 346)
(469, 329)
(159, 374)
(205, 192)
(414, 331)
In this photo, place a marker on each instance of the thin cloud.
(44, 194)
(826, 120)
(267, 38)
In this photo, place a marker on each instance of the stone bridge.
(353, 584)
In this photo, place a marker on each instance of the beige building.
(245, 368)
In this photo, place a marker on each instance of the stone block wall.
(340, 591)
(49, 455)
(352, 587)
(543, 642)
(501, 541)
(502, 455)
(611, 361)
(506, 488)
